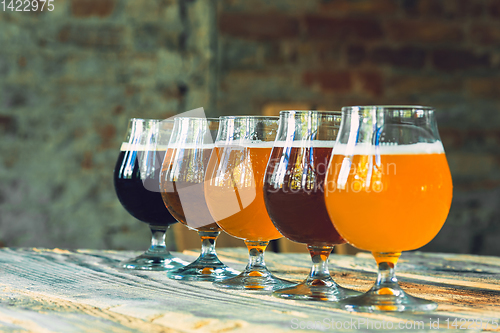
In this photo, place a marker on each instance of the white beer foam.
(306, 143)
(246, 144)
(389, 149)
(136, 147)
(192, 146)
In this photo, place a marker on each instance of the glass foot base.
(386, 299)
(316, 290)
(200, 270)
(254, 280)
(154, 261)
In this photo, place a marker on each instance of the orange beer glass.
(388, 190)
(234, 194)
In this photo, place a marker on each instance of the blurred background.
(71, 78)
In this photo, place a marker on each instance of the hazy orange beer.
(389, 201)
(388, 190)
(235, 199)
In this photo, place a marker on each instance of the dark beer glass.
(294, 196)
(182, 187)
(136, 180)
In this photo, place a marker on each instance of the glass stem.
(256, 262)
(158, 239)
(208, 239)
(319, 270)
(387, 283)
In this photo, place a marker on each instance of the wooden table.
(81, 291)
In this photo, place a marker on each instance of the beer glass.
(136, 180)
(389, 190)
(294, 196)
(233, 190)
(182, 177)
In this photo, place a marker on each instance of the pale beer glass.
(388, 190)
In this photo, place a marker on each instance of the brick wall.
(330, 53)
(70, 79)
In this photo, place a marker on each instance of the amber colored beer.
(234, 194)
(296, 204)
(398, 203)
(184, 194)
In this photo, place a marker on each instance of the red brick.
(89, 8)
(459, 59)
(483, 87)
(371, 83)
(356, 54)
(485, 34)
(118, 109)
(359, 7)
(427, 8)
(7, 124)
(458, 139)
(405, 85)
(477, 165)
(21, 61)
(425, 31)
(87, 162)
(406, 57)
(95, 36)
(444, 9)
(107, 134)
(258, 26)
(493, 8)
(341, 29)
(467, 8)
(327, 52)
(339, 81)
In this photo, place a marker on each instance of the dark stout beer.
(145, 205)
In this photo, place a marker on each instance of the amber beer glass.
(182, 189)
(136, 180)
(294, 196)
(389, 190)
(234, 194)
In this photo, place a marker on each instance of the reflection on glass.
(182, 180)
(234, 194)
(293, 192)
(136, 179)
(389, 190)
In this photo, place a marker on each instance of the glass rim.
(388, 107)
(145, 119)
(197, 118)
(249, 117)
(311, 111)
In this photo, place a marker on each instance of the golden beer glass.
(388, 190)
(234, 194)
(181, 183)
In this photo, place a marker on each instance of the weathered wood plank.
(78, 291)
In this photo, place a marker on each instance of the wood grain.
(83, 291)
